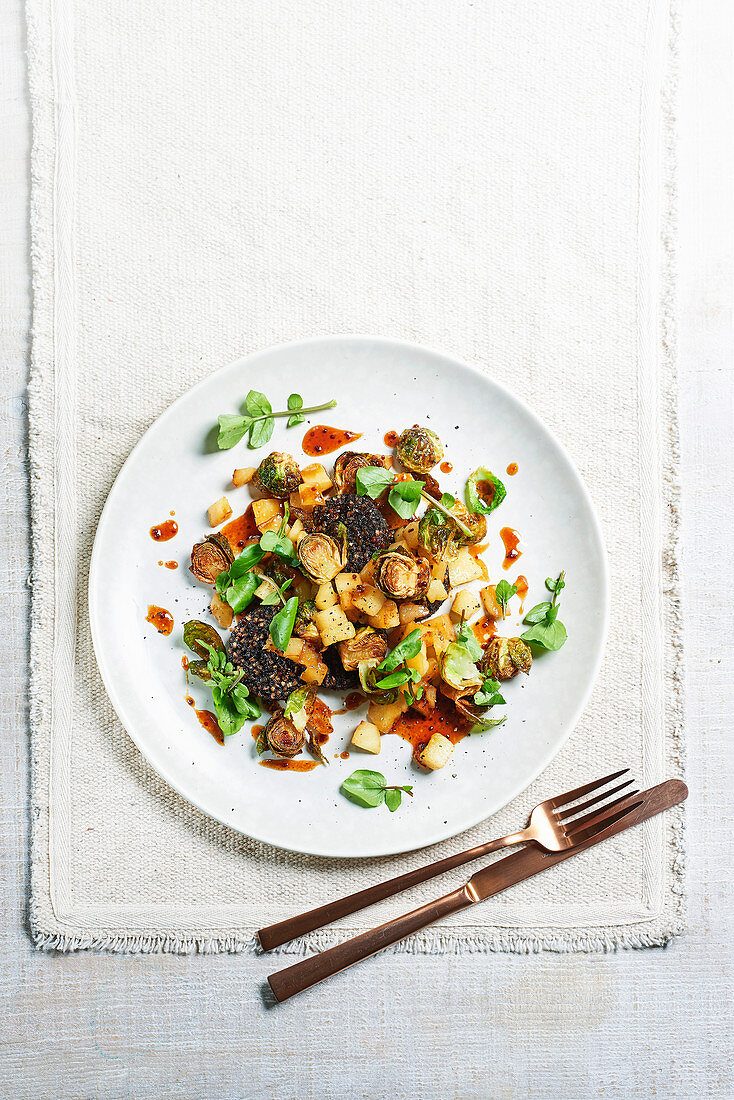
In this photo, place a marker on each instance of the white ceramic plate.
(380, 385)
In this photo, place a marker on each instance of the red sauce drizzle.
(164, 531)
(209, 722)
(522, 590)
(319, 724)
(484, 629)
(171, 564)
(287, 765)
(161, 619)
(419, 728)
(344, 755)
(238, 532)
(185, 663)
(391, 438)
(446, 467)
(190, 701)
(352, 701)
(322, 440)
(512, 469)
(510, 539)
(256, 731)
(485, 491)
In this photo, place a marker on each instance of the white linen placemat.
(494, 179)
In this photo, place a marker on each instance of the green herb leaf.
(488, 695)
(239, 594)
(487, 724)
(276, 597)
(548, 635)
(275, 543)
(546, 630)
(231, 430)
(297, 418)
(295, 401)
(260, 433)
(447, 500)
(555, 585)
(403, 651)
(503, 591)
(404, 497)
(466, 637)
(393, 798)
(538, 613)
(395, 679)
(371, 481)
(492, 495)
(281, 626)
(366, 788)
(257, 404)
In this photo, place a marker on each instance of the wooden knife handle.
(302, 975)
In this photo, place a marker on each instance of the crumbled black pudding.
(267, 675)
(367, 531)
(337, 678)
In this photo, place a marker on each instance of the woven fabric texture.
(492, 179)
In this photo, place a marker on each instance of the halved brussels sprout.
(442, 538)
(367, 675)
(346, 466)
(419, 449)
(305, 626)
(196, 632)
(211, 557)
(506, 657)
(459, 670)
(484, 491)
(282, 737)
(400, 575)
(298, 707)
(365, 647)
(278, 475)
(320, 555)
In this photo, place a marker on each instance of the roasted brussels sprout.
(346, 466)
(282, 737)
(442, 538)
(477, 525)
(459, 671)
(196, 632)
(368, 674)
(321, 557)
(366, 646)
(506, 657)
(400, 575)
(419, 449)
(210, 557)
(278, 475)
(305, 626)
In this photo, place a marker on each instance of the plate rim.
(388, 341)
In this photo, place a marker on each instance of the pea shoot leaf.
(231, 430)
(371, 481)
(369, 789)
(503, 591)
(404, 497)
(281, 626)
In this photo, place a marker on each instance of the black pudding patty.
(367, 531)
(267, 675)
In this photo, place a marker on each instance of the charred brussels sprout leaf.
(210, 557)
(200, 636)
(436, 534)
(298, 707)
(278, 475)
(458, 669)
(368, 677)
(484, 491)
(419, 449)
(200, 669)
(305, 626)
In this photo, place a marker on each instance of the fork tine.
(563, 814)
(604, 823)
(571, 796)
(588, 819)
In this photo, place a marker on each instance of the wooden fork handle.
(276, 934)
(302, 975)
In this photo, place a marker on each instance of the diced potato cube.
(296, 531)
(368, 599)
(333, 626)
(219, 511)
(438, 570)
(368, 573)
(266, 513)
(436, 753)
(385, 715)
(265, 589)
(411, 612)
(315, 675)
(387, 618)
(410, 535)
(325, 596)
(491, 604)
(221, 611)
(464, 568)
(316, 476)
(243, 476)
(436, 591)
(345, 582)
(309, 497)
(465, 606)
(367, 738)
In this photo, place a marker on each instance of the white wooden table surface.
(647, 1023)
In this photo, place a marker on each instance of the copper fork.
(554, 825)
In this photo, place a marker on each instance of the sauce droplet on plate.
(322, 440)
(485, 491)
(185, 663)
(484, 629)
(209, 722)
(512, 469)
(283, 765)
(418, 728)
(511, 539)
(390, 439)
(161, 619)
(164, 531)
(446, 467)
(522, 590)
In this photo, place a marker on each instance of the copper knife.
(491, 880)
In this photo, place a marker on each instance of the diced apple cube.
(464, 568)
(243, 476)
(438, 570)
(265, 589)
(266, 513)
(325, 596)
(492, 606)
(368, 599)
(385, 715)
(411, 612)
(315, 675)
(296, 531)
(219, 511)
(436, 753)
(410, 535)
(316, 476)
(309, 497)
(387, 618)
(345, 582)
(436, 592)
(221, 611)
(465, 606)
(367, 738)
(333, 626)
